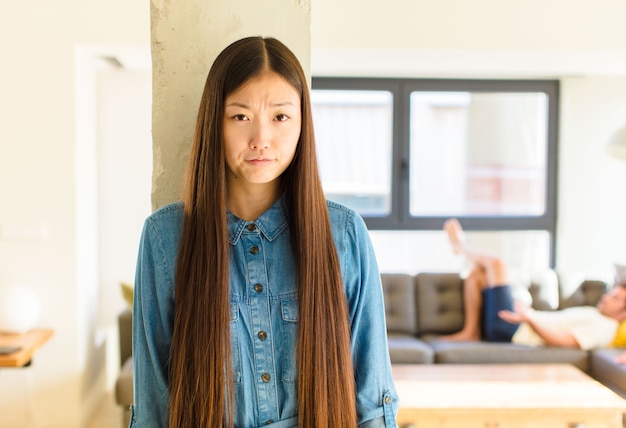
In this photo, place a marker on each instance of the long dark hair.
(201, 392)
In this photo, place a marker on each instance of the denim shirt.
(264, 319)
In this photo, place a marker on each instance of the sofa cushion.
(544, 290)
(605, 369)
(447, 352)
(587, 293)
(439, 302)
(619, 273)
(399, 303)
(406, 349)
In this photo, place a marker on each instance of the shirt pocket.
(290, 311)
(235, 347)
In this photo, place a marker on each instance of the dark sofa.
(421, 307)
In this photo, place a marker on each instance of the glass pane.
(353, 130)
(478, 154)
(524, 252)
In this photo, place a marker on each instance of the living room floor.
(108, 415)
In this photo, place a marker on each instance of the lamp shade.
(19, 309)
(617, 144)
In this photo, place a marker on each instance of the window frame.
(399, 217)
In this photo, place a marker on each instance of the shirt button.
(251, 227)
(262, 335)
(254, 250)
(388, 400)
(258, 288)
(265, 377)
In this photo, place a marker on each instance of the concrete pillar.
(187, 35)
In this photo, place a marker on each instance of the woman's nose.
(261, 136)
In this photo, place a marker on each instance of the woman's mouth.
(260, 161)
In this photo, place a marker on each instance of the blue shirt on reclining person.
(264, 319)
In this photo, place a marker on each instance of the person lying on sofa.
(488, 296)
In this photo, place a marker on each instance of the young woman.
(257, 302)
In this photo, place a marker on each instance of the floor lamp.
(617, 144)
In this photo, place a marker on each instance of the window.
(356, 130)
(409, 153)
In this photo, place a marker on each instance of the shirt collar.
(271, 223)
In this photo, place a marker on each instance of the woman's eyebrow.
(284, 103)
(276, 104)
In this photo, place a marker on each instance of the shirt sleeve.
(152, 321)
(596, 332)
(377, 400)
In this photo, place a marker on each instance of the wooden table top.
(500, 386)
(28, 343)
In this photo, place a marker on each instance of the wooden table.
(504, 396)
(28, 342)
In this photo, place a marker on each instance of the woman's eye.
(240, 117)
(282, 117)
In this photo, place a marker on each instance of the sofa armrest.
(125, 325)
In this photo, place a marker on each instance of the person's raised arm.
(550, 337)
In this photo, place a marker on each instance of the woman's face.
(262, 122)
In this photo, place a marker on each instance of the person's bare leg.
(487, 271)
(453, 229)
(472, 303)
(493, 266)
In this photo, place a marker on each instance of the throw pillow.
(620, 274)
(128, 291)
(620, 337)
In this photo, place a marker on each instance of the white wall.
(39, 41)
(583, 43)
(504, 25)
(124, 181)
(124, 174)
(592, 206)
